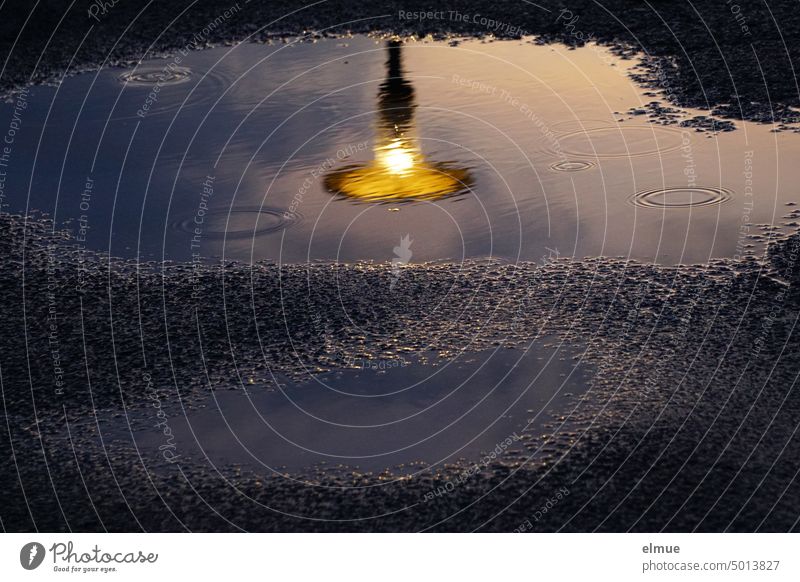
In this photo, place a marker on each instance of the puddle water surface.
(487, 149)
(402, 415)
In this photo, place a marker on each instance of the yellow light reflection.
(397, 157)
(399, 170)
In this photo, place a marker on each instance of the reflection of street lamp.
(399, 170)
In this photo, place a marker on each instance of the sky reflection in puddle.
(504, 149)
(397, 415)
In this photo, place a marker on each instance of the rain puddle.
(403, 415)
(341, 149)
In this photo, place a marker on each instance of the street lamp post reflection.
(399, 170)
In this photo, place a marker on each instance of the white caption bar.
(399, 556)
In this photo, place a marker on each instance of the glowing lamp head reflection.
(399, 169)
